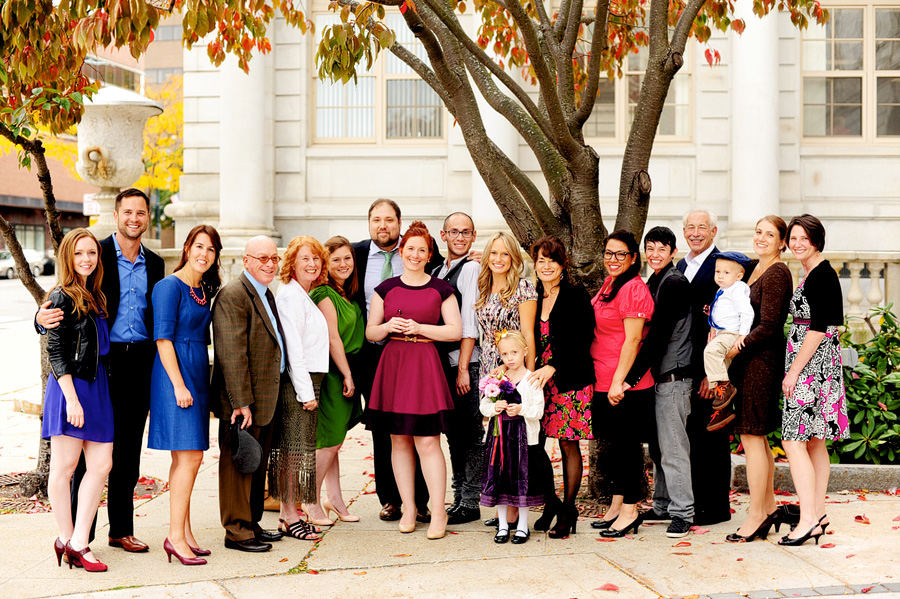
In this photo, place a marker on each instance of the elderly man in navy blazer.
(710, 451)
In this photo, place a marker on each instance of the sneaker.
(723, 394)
(719, 419)
(654, 516)
(678, 528)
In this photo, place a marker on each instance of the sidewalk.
(371, 559)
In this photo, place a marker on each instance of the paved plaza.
(371, 559)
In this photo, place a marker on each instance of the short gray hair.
(713, 219)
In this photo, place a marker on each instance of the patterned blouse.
(494, 317)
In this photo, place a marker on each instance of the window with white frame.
(851, 73)
(388, 103)
(617, 99)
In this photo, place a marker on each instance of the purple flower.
(506, 386)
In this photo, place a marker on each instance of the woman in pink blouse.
(622, 308)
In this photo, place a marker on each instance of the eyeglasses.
(454, 233)
(266, 259)
(617, 256)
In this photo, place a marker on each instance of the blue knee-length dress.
(180, 319)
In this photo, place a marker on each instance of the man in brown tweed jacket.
(250, 376)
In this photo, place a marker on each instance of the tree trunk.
(35, 482)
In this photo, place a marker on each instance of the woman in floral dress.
(815, 410)
(564, 332)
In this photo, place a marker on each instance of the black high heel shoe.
(789, 542)
(602, 524)
(552, 509)
(615, 534)
(567, 519)
(762, 532)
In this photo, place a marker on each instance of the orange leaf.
(861, 519)
(682, 544)
(827, 546)
(402, 555)
(312, 571)
(282, 560)
(607, 587)
(682, 553)
(604, 540)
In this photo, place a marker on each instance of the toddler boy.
(730, 319)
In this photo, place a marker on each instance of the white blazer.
(532, 409)
(306, 337)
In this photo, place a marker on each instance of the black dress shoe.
(518, 539)
(249, 545)
(268, 536)
(502, 536)
(423, 516)
(464, 515)
(453, 507)
(495, 522)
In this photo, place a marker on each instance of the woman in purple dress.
(410, 398)
(77, 410)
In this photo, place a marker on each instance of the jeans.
(466, 440)
(671, 450)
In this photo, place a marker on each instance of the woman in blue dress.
(179, 387)
(77, 411)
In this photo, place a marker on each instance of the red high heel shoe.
(187, 561)
(76, 558)
(59, 547)
(200, 552)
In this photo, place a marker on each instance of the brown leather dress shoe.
(390, 512)
(129, 543)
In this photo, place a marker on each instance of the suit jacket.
(361, 255)
(156, 271)
(703, 290)
(571, 334)
(246, 371)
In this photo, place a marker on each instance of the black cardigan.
(571, 334)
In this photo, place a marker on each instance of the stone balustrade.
(867, 278)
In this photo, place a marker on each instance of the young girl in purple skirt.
(512, 460)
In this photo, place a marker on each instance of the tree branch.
(563, 137)
(22, 267)
(469, 44)
(562, 20)
(571, 33)
(685, 22)
(599, 43)
(36, 150)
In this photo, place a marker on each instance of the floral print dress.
(818, 407)
(493, 317)
(567, 416)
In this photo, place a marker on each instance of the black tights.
(572, 470)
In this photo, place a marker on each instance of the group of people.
(435, 345)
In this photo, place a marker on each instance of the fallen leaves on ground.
(682, 553)
(699, 531)
(861, 519)
(605, 540)
(849, 555)
(282, 560)
(682, 544)
(607, 587)
(827, 546)
(402, 555)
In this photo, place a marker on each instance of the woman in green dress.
(340, 408)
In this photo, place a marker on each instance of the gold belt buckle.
(412, 339)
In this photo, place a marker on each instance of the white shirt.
(694, 262)
(467, 282)
(731, 311)
(373, 270)
(532, 409)
(307, 337)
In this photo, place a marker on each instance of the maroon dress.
(410, 394)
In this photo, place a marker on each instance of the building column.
(246, 154)
(754, 128)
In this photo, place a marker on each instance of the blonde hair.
(513, 275)
(290, 259)
(87, 296)
(516, 336)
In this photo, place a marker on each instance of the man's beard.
(392, 241)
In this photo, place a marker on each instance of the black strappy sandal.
(299, 530)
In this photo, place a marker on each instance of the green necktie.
(387, 269)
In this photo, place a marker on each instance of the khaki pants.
(714, 360)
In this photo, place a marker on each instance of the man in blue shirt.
(130, 271)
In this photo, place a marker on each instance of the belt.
(672, 377)
(410, 339)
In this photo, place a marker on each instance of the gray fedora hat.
(246, 453)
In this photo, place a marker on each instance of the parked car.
(35, 262)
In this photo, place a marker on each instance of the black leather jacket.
(73, 346)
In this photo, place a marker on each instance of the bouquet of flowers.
(496, 387)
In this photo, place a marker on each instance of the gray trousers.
(671, 454)
(466, 440)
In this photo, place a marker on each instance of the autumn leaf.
(897, 519)
(605, 540)
(402, 555)
(827, 546)
(282, 560)
(607, 587)
(861, 519)
(699, 531)
(682, 544)
(682, 553)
